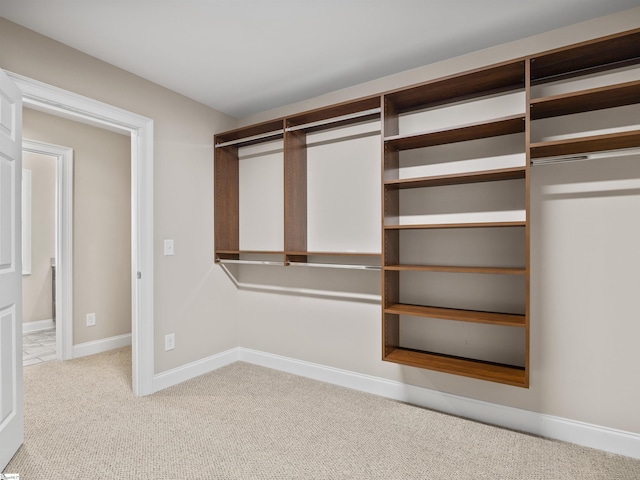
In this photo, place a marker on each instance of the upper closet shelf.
(462, 133)
(457, 179)
(588, 57)
(482, 82)
(585, 145)
(586, 100)
(341, 121)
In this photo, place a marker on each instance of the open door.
(11, 400)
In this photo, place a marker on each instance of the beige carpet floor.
(249, 422)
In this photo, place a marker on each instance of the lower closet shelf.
(504, 319)
(507, 374)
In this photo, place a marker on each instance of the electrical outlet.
(91, 319)
(169, 342)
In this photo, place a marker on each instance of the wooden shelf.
(455, 225)
(459, 269)
(472, 316)
(462, 133)
(336, 254)
(584, 145)
(586, 101)
(251, 135)
(476, 83)
(342, 114)
(510, 375)
(587, 57)
(457, 178)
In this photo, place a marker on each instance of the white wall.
(584, 357)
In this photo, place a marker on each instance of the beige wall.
(37, 286)
(584, 354)
(101, 222)
(193, 297)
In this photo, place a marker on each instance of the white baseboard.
(580, 433)
(194, 369)
(99, 346)
(37, 326)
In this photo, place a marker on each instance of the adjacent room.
(320, 239)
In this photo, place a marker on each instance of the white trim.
(99, 346)
(64, 241)
(194, 369)
(52, 99)
(580, 433)
(26, 221)
(37, 326)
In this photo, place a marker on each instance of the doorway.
(60, 102)
(56, 166)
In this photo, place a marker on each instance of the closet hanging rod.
(328, 121)
(335, 265)
(253, 138)
(250, 262)
(586, 156)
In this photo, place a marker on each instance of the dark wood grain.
(458, 178)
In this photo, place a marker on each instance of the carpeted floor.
(249, 422)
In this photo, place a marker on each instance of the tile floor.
(38, 347)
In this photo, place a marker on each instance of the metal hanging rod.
(335, 265)
(329, 121)
(362, 297)
(262, 136)
(586, 156)
(250, 262)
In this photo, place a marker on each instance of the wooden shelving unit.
(588, 58)
(398, 259)
(467, 87)
(293, 130)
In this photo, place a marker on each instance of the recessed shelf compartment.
(587, 57)
(583, 145)
(510, 375)
(504, 319)
(462, 133)
(473, 84)
(456, 225)
(458, 179)
(586, 101)
(458, 269)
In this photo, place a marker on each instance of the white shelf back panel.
(462, 113)
(343, 189)
(261, 196)
(476, 155)
(482, 342)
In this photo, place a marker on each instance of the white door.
(11, 404)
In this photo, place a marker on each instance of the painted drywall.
(584, 355)
(193, 297)
(101, 222)
(37, 293)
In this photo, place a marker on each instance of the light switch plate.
(168, 247)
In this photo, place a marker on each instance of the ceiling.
(246, 56)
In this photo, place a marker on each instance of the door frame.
(63, 241)
(56, 101)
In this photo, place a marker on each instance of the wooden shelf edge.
(585, 145)
(458, 269)
(496, 175)
(336, 254)
(471, 316)
(455, 225)
(609, 96)
(509, 375)
(459, 133)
